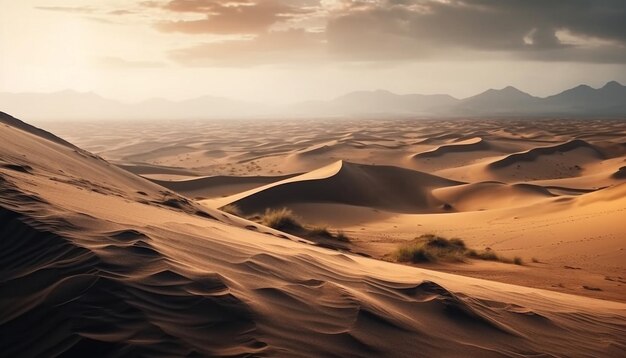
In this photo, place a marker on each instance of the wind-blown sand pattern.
(96, 259)
(518, 186)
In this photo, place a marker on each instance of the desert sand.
(95, 257)
(548, 190)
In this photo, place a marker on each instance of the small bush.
(232, 209)
(487, 254)
(432, 248)
(536, 260)
(323, 232)
(341, 236)
(281, 219)
(320, 231)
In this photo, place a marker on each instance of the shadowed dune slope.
(468, 145)
(117, 272)
(536, 153)
(382, 187)
(216, 186)
(563, 160)
(491, 195)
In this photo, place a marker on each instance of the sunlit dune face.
(307, 48)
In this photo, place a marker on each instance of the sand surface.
(546, 190)
(97, 258)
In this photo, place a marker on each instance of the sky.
(281, 51)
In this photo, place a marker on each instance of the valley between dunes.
(115, 243)
(550, 191)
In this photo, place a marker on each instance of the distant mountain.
(609, 100)
(72, 105)
(493, 102)
(375, 102)
(584, 100)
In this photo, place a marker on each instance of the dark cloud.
(386, 30)
(528, 28)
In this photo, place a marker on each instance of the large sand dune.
(381, 187)
(99, 261)
(93, 262)
(512, 184)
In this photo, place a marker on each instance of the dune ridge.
(535, 153)
(115, 271)
(471, 144)
(217, 186)
(385, 187)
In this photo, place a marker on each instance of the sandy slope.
(98, 261)
(215, 186)
(379, 187)
(516, 183)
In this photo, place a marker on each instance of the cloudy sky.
(288, 50)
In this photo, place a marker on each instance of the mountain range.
(583, 100)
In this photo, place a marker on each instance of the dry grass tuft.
(281, 219)
(432, 248)
(232, 209)
(285, 220)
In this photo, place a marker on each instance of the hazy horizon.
(278, 52)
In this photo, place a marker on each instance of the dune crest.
(383, 187)
(96, 260)
(472, 144)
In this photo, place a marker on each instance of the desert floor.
(97, 261)
(550, 191)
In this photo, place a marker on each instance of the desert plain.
(156, 244)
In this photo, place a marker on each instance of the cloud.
(274, 47)
(592, 31)
(226, 17)
(401, 29)
(120, 63)
(70, 9)
(121, 12)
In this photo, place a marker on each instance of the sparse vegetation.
(535, 260)
(432, 248)
(320, 231)
(285, 220)
(341, 236)
(232, 209)
(281, 219)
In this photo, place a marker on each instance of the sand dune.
(381, 187)
(145, 169)
(491, 195)
(471, 144)
(489, 208)
(550, 162)
(95, 262)
(216, 186)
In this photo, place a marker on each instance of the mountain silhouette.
(582, 100)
